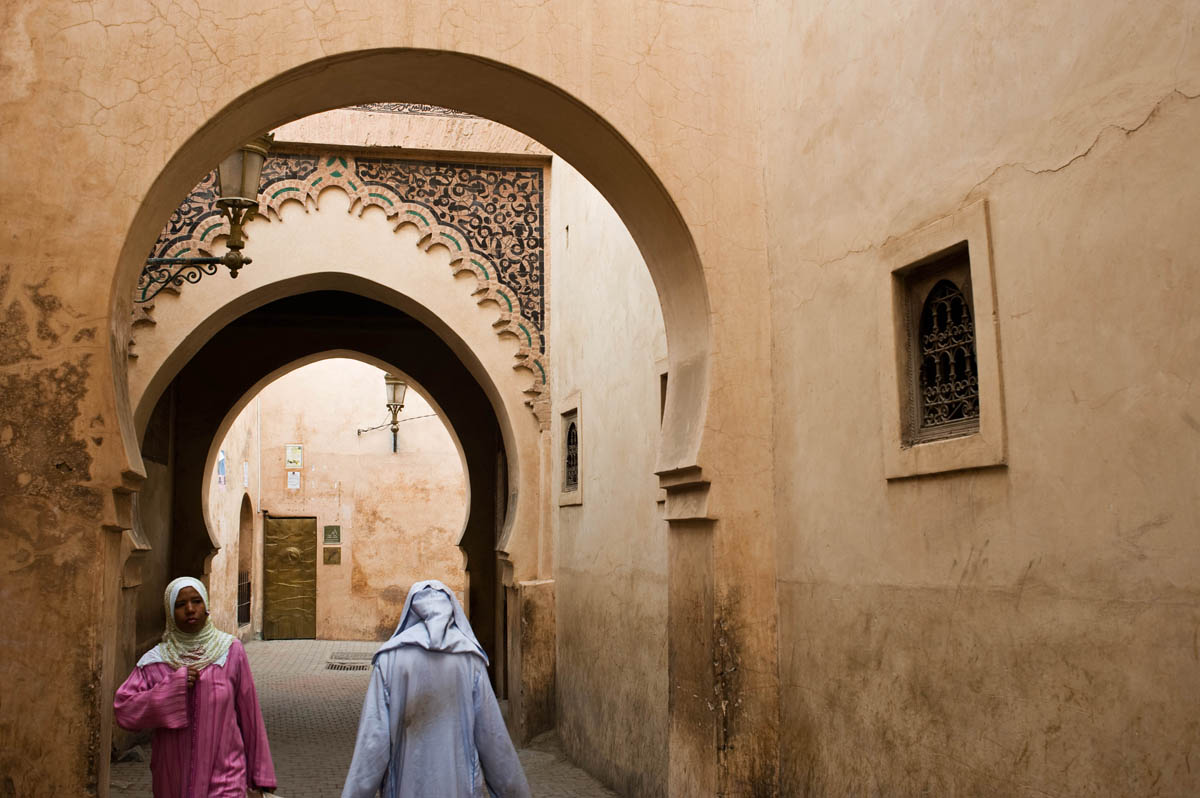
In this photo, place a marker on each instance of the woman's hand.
(193, 675)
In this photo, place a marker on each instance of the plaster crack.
(1128, 131)
(969, 197)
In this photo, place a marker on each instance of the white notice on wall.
(293, 455)
(245, 474)
(293, 480)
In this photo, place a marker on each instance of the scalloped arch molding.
(490, 218)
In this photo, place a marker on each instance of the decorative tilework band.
(490, 217)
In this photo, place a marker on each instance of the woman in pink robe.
(195, 691)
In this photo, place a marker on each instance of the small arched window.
(945, 371)
(245, 560)
(571, 461)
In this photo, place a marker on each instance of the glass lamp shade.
(395, 389)
(239, 174)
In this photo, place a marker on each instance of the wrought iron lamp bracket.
(161, 272)
(238, 176)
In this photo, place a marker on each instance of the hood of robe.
(434, 620)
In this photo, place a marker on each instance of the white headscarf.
(434, 620)
(199, 650)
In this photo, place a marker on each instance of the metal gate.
(290, 583)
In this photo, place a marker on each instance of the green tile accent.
(330, 162)
(419, 216)
(483, 268)
(208, 230)
(382, 197)
(352, 186)
(455, 240)
(342, 161)
(336, 174)
(318, 180)
(506, 299)
(182, 252)
(539, 365)
(528, 337)
(284, 191)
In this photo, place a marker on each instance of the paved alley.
(311, 712)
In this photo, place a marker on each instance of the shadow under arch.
(334, 281)
(507, 95)
(304, 327)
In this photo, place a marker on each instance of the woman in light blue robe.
(430, 723)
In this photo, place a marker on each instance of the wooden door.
(290, 583)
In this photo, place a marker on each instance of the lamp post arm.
(173, 261)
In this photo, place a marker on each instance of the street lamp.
(395, 401)
(238, 177)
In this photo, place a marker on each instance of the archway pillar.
(722, 663)
(722, 614)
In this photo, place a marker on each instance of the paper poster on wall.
(293, 455)
(221, 467)
(245, 475)
(293, 480)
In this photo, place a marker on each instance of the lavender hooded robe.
(430, 723)
(209, 741)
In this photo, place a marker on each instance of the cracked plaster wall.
(882, 118)
(1030, 629)
(111, 93)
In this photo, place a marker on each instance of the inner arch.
(281, 334)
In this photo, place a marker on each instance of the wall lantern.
(238, 178)
(395, 401)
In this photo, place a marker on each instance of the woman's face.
(190, 611)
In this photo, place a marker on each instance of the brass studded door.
(290, 586)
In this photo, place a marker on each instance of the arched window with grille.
(571, 455)
(944, 383)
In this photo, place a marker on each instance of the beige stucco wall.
(401, 514)
(418, 133)
(154, 516)
(611, 548)
(792, 140)
(1029, 629)
(242, 446)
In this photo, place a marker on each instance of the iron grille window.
(945, 378)
(243, 605)
(571, 454)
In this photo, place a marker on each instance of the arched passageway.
(151, 146)
(516, 99)
(618, 172)
(236, 359)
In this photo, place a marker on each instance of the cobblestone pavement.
(311, 714)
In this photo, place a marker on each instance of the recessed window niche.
(570, 436)
(943, 383)
(940, 367)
